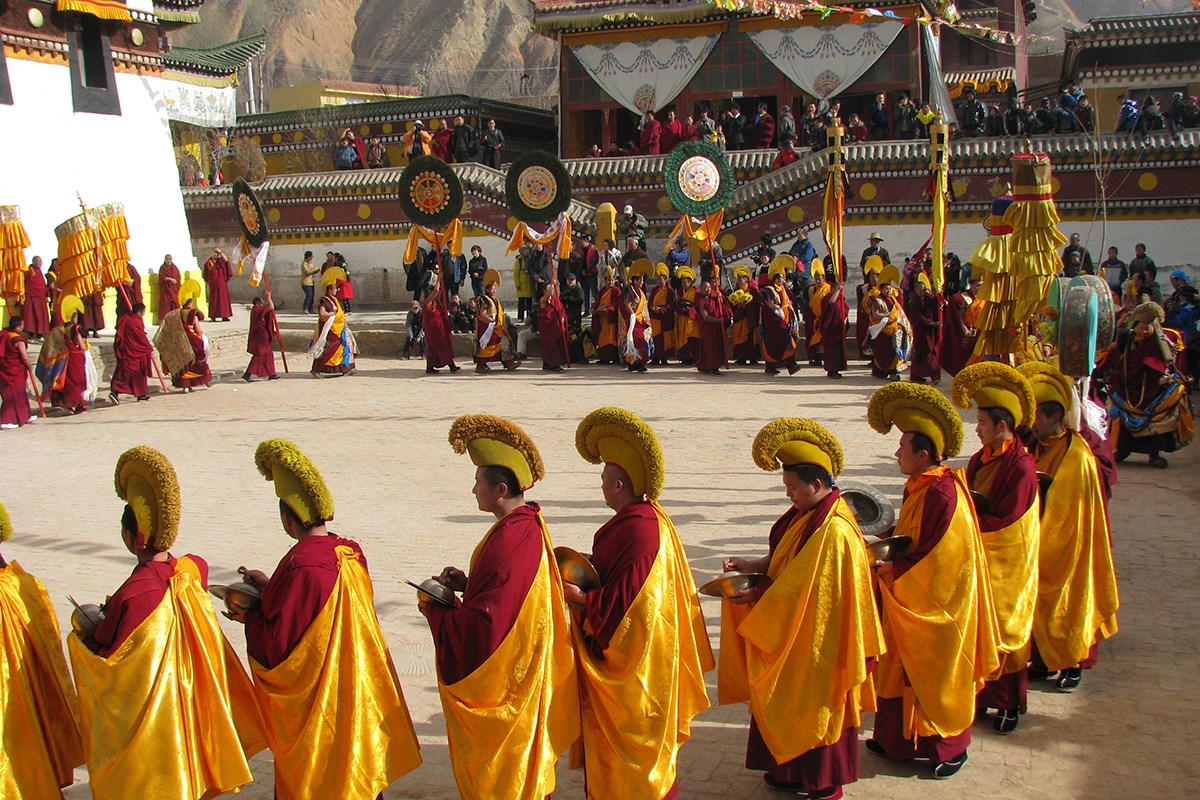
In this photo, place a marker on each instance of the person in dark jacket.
(475, 269)
(492, 141)
(464, 140)
(877, 119)
(973, 116)
(735, 124)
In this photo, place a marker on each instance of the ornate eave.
(218, 61)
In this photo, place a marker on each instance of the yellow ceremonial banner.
(639, 699)
(169, 714)
(450, 238)
(1077, 585)
(939, 621)
(93, 250)
(558, 234)
(13, 241)
(939, 165)
(335, 715)
(104, 9)
(799, 654)
(509, 720)
(39, 727)
(702, 234)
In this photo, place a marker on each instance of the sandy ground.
(380, 439)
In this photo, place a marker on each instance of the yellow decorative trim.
(199, 80)
(652, 32)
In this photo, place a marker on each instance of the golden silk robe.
(39, 728)
(639, 699)
(939, 621)
(171, 713)
(661, 298)
(799, 654)
(335, 715)
(523, 700)
(1077, 596)
(816, 301)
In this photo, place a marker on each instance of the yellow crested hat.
(742, 271)
(494, 442)
(686, 272)
(608, 273)
(791, 440)
(69, 306)
(662, 269)
(1148, 312)
(492, 276)
(146, 481)
(991, 384)
(642, 267)
(615, 436)
(782, 264)
(298, 482)
(889, 274)
(817, 267)
(332, 276)
(874, 264)
(1049, 385)
(6, 530)
(189, 290)
(917, 408)
(923, 279)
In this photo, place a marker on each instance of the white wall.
(48, 153)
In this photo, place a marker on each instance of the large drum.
(92, 250)
(1078, 327)
(1106, 307)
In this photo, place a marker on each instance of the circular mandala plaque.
(537, 187)
(249, 213)
(430, 193)
(698, 178)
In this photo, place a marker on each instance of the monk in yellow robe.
(1077, 596)
(157, 675)
(1005, 475)
(506, 668)
(333, 347)
(939, 622)
(39, 729)
(800, 646)
(639, 636)
(493, 339)
(336, 718)
(662, 315)
(606, 312)
(687, 329)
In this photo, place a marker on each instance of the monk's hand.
(883, 569)
(236, 616)
(454, 578)
(735, 564)
(255, 577)
(744, 597)
(575, 595)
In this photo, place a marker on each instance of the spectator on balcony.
(416, 142)
(786, 128)
(1066, 113)
(856, 129)
(1144, 265)
(995, 122)
(377, 155)
(925, 118)
(690, 132)
(651, 138)
(973, 115)
(1114, 271)
(717, 137)
(345, 156)
(787, 154)
(1016, 120)
(1191, 113)
(906, 118)
(1085, 115)
(672, 132)
(1128, 118)
(633, 224)
(1085, 258)
(877, 119)
(440, 144)
(705, 126)
(1047, 117)
(464, 140)
(594, 152)
(812, 128)
(734, 127)
(761, 132)
(492, 141)
(1151, 119)
(834, 113)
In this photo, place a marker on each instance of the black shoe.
(784, 788)
(112, 398)
(835, 375)
(948, 769)
(1158, 462)
(1038, 672)
(246, 377)
(143, 398)
(272, 377)
(1121, 455)
(455, 367)
(1006, 721)
(873, 746)
(431, 371)
(1069, 679)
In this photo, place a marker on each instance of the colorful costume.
(493, 340)
(662, 317)
(333, 348)
(605, 313)
(687, 332)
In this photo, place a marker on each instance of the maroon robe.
(196, 373)
(132, 294)
(35, 311)
(552, 331)
(630, 300)
(822, 767)
(761, 132)
(93, 311)
(664, 314)
(439, 343)
(672, 134)
(294, 596)
(440, 144)
(217, 274)
(54, 294)
(168, 289)
(925, 316)
(134, 355)
(651, 139)
(862, 323)
(750, 349)
(136, 599)
(14, 371)
(259, 340)
(1137, 378)
(832, 325)
(778, 344)
(710, 347)
(623, 551)
(958, 338)
(503, 571)
(74, 386)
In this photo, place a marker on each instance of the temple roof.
(422, 108)
(1142, 29)
(225, 59)
(178, 10)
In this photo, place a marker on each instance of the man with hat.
(778, 323)
(336, 718)
(633, 225)
(640, 636)
(939, 622)
(828, 311)
(157, 670)
(1003, 473)
(924, 312)
(1077, 597)
(801, 645)
(39, 729)
(506, 667)
(435, 320)
(416, 141)
(888, 330)
(333, 347)
(746, 305)
(633, 329)
(687, 332)
(865, 291)
(662, 315)
(875, 248)
(493, 340)
(182, 344)
(1148, 400)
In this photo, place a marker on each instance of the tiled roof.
(1144, 29)
(422, 108)
(225, 59)
(178, 10)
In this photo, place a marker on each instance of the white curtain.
(647, 75)
(825, 60)
(939, 94)
(206, 106)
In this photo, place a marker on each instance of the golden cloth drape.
(85, 267)
(104, 9)
(335, 715)
(815, 302)
(800, 660)
(702, 233)
(558, 234)
(450, 238)
(522, 702)
(13, 241)
(640, 698)
(39, 728)
(171, 713)
(1012, 559)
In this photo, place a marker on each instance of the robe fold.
(662, 321)
(35, 310)
(217, 273)
(958, 337)
(710, 344)
(604, 324)
(259, 340)
(925, 316)
(552, 331)
(832, 326)
(14, 372)
(134, 355)
(196, 373)
(168, 289)
(439, 341)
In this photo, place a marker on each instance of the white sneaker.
(8, 426)
(31, 420)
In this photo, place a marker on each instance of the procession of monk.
(991, 577)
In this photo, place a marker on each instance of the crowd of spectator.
(453, 143)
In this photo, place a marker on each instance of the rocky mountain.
(482, 47)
